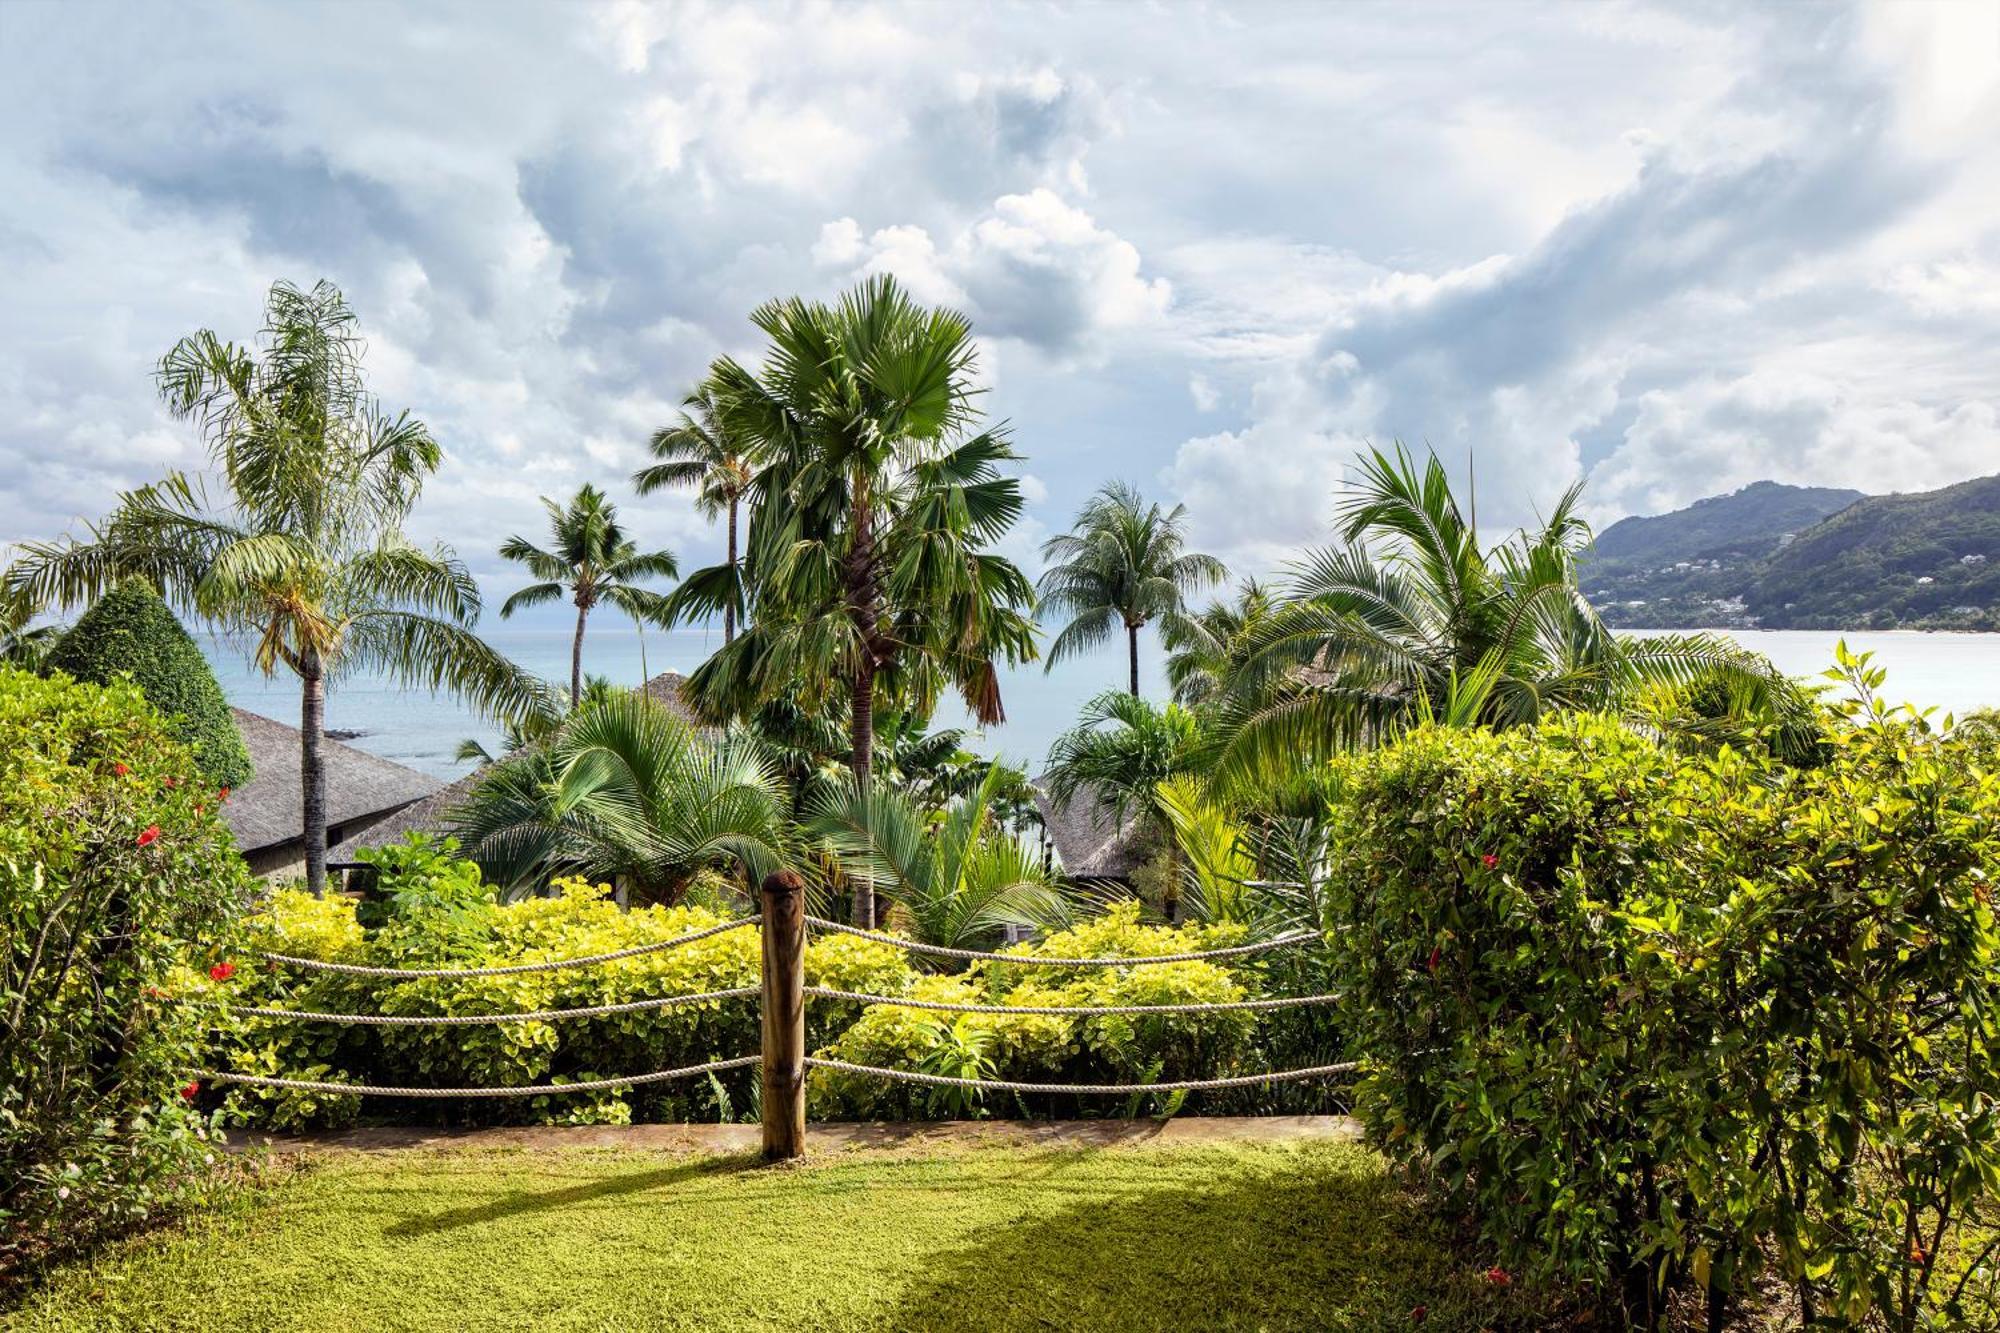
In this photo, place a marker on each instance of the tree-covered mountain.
(1793, 557)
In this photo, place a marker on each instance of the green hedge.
(1651, 1020)
(111, 858)
(130, 629)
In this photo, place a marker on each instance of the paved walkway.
(827, 1137)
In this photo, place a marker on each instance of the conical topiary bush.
(131, 630)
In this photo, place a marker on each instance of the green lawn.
(1307, 1236)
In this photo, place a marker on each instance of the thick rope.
(1077, 1011)
(456, 1020)
(530, 1090)
(353, 970)
(1084, 1089)
(1021, 960)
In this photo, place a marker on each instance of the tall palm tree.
(1411, 620)
(627, 791)
(870, 514)
(959, 884)
(592, 561)
(305, 550)
(1124, 562)
(700, 451)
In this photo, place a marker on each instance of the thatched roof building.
(1090, 841)
(267, 815)
(433, 814)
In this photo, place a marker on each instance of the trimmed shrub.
(112, 859)
(1650, 1018)
(130, 630)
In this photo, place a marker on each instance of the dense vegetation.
(1789, 557)
(130, 631)
(112, 863)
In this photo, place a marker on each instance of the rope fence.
(1073, 1011)
(1084, 1089)
(461, 1020)
(514, 969)
(1019, 960)
(526, 1090)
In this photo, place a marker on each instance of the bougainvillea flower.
(120, 769)
(1489, 860)
(222, 971)
(191, 1091)
(150, 836)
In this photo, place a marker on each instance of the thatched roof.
(265, 812)
(433, 814)
(1088, 838)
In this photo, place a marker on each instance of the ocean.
(1949, 672)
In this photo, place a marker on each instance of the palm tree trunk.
(729, 607)
(863, 596)
(312, 769)
(1132, 644)
(861, 729)
(576, 658)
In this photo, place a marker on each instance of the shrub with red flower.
(120, 769)
(1499, 1277)
(222, 972)
(191, 1091)
(1489, 860)
(150, 836)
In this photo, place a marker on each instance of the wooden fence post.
(784, 932)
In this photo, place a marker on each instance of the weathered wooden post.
(784, 933)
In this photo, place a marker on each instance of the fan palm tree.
(627, 791)
(1412, 620)
(960, 884)
(1125, 562)
(305, 551)
(700, 451)
(870, 514)
(591, 561)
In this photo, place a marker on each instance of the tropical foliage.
(590, 561)
(131, 632)
(304, 549)
(1123, 565)
(113, 864)
(701, 453)
(627, 791)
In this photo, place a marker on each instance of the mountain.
(1692, 566)
(1791, 557)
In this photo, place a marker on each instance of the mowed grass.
(1308, 1236)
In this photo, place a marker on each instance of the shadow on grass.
(1266, 1252)
(516, 1205)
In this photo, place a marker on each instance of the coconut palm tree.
(1410, 620)
(701, 451)
(627, 791)
(1121, 749)
(590, 561)
(1208, 652)
(871, 513)
(304, 550)
(1125, 562)
(960, 884)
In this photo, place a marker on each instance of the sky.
(1212, 249)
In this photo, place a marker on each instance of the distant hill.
(1795, 557)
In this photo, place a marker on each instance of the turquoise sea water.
(1951, 672)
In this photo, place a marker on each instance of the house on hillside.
(1089, 840)
(433, 815)
(267, 816)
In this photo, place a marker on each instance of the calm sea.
(1950, 672)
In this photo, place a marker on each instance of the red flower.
(1489, 860)
(222, 795)
(190, 1092)
(222, 972)
(155, 993)
(120, 769)
(150, 836)
(170, 782)
(1418, 1313)
(1431, 964)
(1499, 1277)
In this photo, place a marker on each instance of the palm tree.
(23, 644)
(1123, 562)
(592, 561)
(871, 509)
(960, 884)
(627, 791)
(1121, 749)
(306, 550)
(700, 451)
(1208, 653)
(1412, 620)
